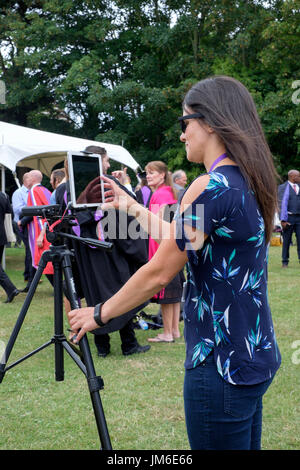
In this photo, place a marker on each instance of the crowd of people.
(222, 248)
(163, 190)
(155, 194)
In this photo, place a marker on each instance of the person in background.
(57, 177)
(163, 199)
(142, 191)
(19, 200)
(222, 230)
(123, 178)
(179, 182)
(289, 206)
(102, 273)
(38, 195)
(5, 282)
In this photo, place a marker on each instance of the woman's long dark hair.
(229, 109)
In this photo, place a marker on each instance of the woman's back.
(227, 304)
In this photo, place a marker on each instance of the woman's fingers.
(81, 321)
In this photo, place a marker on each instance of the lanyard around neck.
(221, 157)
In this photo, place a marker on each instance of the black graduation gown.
(102, 273)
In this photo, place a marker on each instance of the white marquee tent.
(25, 147)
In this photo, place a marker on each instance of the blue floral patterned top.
(226, 308)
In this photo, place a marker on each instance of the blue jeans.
(219, 415)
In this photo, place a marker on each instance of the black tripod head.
(58, 226)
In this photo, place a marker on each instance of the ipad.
(86, 186)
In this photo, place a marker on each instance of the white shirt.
(295, 186)
(19, 200)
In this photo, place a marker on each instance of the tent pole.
(2, 178)
(16, 179)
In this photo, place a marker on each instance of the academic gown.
(103, 273)
(38, 196)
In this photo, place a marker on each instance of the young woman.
(163, 197)
(222, 230)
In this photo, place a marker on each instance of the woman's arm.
(149, 279)
(146, 282)
(116, 198)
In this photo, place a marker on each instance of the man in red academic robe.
(38, 196)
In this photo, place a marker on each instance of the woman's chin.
(193, 158)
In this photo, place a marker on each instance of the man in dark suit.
(289, 205)
(179, 182)
(5, 282)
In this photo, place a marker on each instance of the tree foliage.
(117, 71)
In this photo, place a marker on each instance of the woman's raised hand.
(115, 196)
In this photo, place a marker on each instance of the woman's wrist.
(98, 314)
(133, 208)
(104, 313)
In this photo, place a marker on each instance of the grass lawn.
(142, 396)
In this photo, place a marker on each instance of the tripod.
(60, 256)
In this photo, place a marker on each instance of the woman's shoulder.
(224, 181)
(195, 189)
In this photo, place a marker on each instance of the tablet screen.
(86, 187)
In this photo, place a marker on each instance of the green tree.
(29, 97)
(280, 110)
(117, 70)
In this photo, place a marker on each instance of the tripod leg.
(95, 383)
(58, 321)
(22, 314)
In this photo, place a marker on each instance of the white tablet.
(86, 186)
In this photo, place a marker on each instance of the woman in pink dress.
(162, 200)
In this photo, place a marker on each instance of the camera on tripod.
(46, 212)
(52, 213)
(86, 189)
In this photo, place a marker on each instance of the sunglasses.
(183, 124)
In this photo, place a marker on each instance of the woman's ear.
(207, 127)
